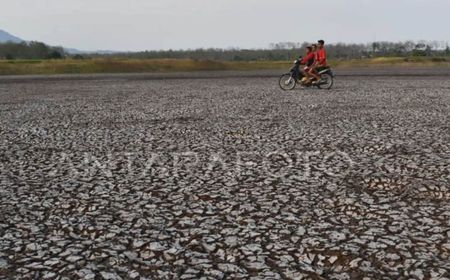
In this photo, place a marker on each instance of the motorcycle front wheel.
(287, 82)
(326, 81)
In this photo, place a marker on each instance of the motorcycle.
(288, 81)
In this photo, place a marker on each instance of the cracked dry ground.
(225, 179)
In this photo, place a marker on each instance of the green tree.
(55, 55)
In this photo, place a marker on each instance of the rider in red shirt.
(308, 61)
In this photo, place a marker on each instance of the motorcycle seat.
(324, 69)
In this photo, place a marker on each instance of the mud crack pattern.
(225, 179)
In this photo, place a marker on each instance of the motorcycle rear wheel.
(326, 81)
(287, 82)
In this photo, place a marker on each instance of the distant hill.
(6, 37)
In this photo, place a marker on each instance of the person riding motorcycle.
(321, 61)
(314, 73)
(308, 61)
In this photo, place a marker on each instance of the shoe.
(317, 82)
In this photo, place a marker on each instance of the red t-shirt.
(322, 57)
(308, 58)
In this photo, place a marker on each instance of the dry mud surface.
(131, 178)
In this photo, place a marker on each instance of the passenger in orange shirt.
(321, 61)
(321, 55)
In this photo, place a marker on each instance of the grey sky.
(176, 24)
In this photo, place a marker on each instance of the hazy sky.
(177, 24)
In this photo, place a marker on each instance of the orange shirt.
(322, 57)
(316, 56)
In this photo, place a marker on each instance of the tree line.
(30, 50)
(275, 52)
(289, 51)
